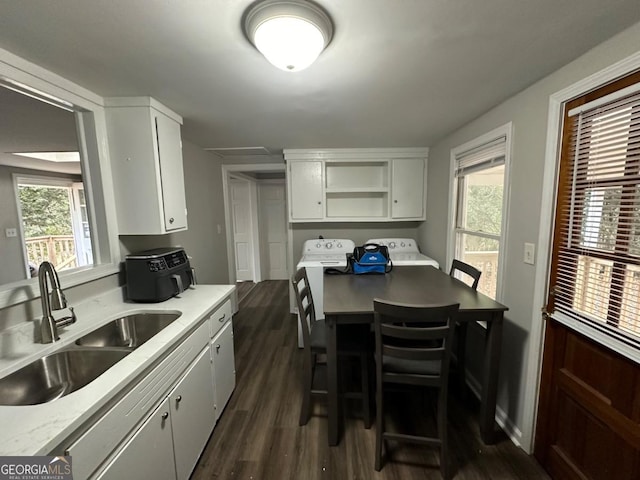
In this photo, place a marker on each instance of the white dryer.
(404, 251)
(318, 254)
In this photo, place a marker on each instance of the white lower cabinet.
(192, 418)
(224, 368)
(160, 426)
(149, 453)
(169, 443)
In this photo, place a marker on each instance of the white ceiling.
(397, 73)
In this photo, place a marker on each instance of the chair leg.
(379, 425)
(366, 395)
(307, 383)
(442, 433)
(461, 331)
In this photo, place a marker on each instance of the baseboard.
(502, 419)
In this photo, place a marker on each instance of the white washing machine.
(317, 255)
(404, 251)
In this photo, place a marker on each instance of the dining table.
(348, 299)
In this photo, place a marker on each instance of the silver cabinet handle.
(171, 220)
(218, 348)
(221, 319)
(395, 201)
(319, 203)
(165, 415)
(178, 398)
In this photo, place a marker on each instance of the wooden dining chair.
(314, 338)
(413, 348)
(471, 276)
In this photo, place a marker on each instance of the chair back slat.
(306, 310)
(420, 334)
(471, 271)
(414, 353)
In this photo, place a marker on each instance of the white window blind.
(595, 275)
(482, 157)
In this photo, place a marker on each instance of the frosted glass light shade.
(290, 34)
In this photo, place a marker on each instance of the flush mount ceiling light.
(289, 33)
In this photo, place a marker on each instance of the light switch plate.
(529, 253)
(11, 232)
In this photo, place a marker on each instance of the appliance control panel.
(397, 245)
(328, 245)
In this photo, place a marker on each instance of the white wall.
(528, 111)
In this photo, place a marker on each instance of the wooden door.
(589, 412)
(588, 424)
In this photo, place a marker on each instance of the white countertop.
(37, 429)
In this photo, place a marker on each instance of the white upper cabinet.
(305, 185)
(407, 187)
(145, 148)
(339, 185)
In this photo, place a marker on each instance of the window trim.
(505, 131)
(89, 109)
(616, 339)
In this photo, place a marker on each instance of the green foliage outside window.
(484, 214)
(45, 211)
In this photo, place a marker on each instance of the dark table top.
(419, 285)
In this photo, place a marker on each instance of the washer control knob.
(328, 245)
(318, 245)
(392, 244)
(339, 245)
(402, 244)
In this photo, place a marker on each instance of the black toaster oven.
(157, 275)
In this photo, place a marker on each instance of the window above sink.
(97, 219)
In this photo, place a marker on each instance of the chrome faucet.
(49, 325)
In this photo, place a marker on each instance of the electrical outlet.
(11, 232)
(529, 253)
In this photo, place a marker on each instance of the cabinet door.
(148, 454)
(305, 189)
(192, 415)
(224, 367)
(171, 172)
(407, 188)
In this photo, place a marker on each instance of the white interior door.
(242, 231)
(274, 226)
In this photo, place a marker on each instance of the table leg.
(490, 373)
(332, 387)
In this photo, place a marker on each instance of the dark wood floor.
(258, 437)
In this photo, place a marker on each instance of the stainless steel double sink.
(60, 373)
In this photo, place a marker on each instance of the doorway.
(262, 189)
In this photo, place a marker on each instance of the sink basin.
(130, 331)
(56, 375)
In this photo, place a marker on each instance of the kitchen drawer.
(219, 318)
(109, 431)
